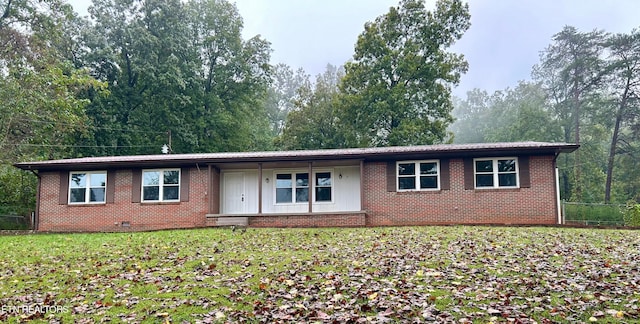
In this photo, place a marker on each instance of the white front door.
(235, 201)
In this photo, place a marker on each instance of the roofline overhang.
(366, 154)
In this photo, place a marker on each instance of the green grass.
(483, 274)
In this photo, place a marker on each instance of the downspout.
(557, 187)
(36, 219)
(259, 188)
(311, 187)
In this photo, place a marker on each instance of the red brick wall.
(320, 220)
(108, 217)
(534, 205)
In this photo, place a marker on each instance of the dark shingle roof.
(373, 153)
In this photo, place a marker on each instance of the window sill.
(303, 203)
(414, 192)
(160, 203)
(86, 204)
(515, 189)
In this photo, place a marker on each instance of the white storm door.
(234, 193)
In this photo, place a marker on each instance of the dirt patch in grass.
(475, 274)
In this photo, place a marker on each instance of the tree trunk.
(576, 120)
(5, 15)
(614, 143)
(612, 153)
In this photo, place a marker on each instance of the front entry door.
(235, 201)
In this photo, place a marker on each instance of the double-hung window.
(288, 183)
(302, 187)
(496, 173)
(294, 187)
(418, 175)
(87, 187)
(323, 186)
(161, 185)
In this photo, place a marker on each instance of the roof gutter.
(293, 156)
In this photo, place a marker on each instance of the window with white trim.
(496, 173)
(289, 183)
(302, 187)
(323, 186)
(161, 185)
(87, 187)
(286, 186)
(418, 175)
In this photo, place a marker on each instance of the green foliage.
(572, 72)
(632, 214)
(397, 88)
(472, 117)
(179, 67)
(42, 93)
(506, 116)
(48, 99)
(314, 124)
(41, 106)
(17, 190)
(584, 90)
(594, 214)
(10, 222)
(624, 75)
(283, 94)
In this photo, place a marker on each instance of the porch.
(326, 219)
(286, 194)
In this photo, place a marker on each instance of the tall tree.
(313, 123)
(471, 117)
(510, 115)
(283, 93)
(38, 85)
(520, 114)
(178, 67)
(397, 89)
(42, 106)
(235, 75)
(624, 64)
(571, 70)
(138, 48)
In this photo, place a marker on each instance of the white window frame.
(495, 172)
(330, 172)
(312, 195)
(416, 175)
(161, 185)
(87, 187)
(293, 187)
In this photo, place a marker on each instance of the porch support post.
(361, 184)
(310, 188)
(259, 188)
(210, 189)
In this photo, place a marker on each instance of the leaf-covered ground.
(404, 274)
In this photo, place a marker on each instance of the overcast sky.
(501, 46)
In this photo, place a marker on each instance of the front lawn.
(482, 274)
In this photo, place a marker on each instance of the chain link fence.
(590, 214)
(14, 218)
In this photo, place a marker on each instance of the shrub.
(632, 215)
(593, 214)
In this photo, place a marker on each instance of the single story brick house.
(489, 183)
